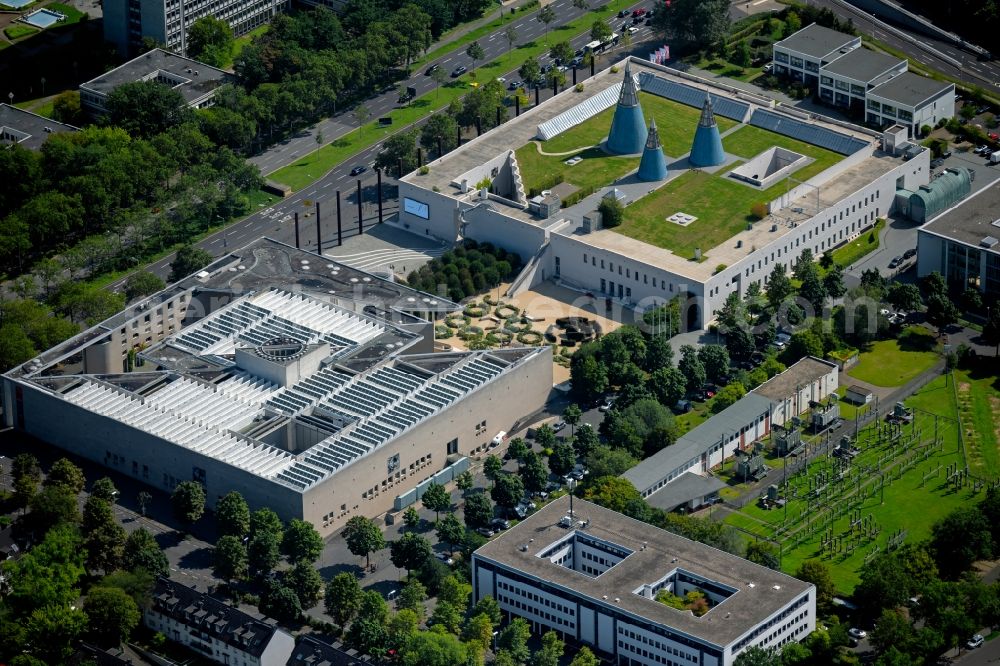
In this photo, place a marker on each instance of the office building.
(26, 129)
(601, 578)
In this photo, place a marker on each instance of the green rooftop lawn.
(722, 205)
(907, 504)
(596, 170)
(896, 362)
(17, 31)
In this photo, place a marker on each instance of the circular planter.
(507, 311)
(529, 338)
(489, 300)
(474, 311)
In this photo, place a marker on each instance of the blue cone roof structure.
(653, 165)
(707, 147)
(628, 127)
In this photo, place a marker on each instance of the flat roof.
(655, 553)
(804, 371)
(686, 487)
(697, 441)
(972, 220)
(194, 79)
(863, 64)
(816, 41)
(35, 128)
(860, 390)
(909, 89)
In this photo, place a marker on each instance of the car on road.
(855, 632)
(501, 79)
(485, 531)
(432, 69)
(975, 642)
(458, 71)
(358, 170)
(499, 524)
(896, 261)
(909, 254)
(514, 85)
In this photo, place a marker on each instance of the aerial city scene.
(499, 332)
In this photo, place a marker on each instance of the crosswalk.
(400, 260)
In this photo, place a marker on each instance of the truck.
(995, 157)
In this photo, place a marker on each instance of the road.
(277, 221)
(929, 52)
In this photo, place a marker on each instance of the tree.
(401, 146)
(402, 626)
(779, 286)
(65, 473)
(514, 639)
(450, 530)
(301, 542)
(600, 31)
(545, 436)
(563, 459)
(547, 15)
(891, 630)
(232, 515)
(363, 537)
(941, 311)
(612, 212)
(436, 499)
(572, 415)
(690, 23)
(15, 346)
(727, 396)
(306, 582)
(142, 552)
(52, 632)
(741, 54)
(145, 109)
(361, 114)
(904, 296)
(552, 650)
(991, 330)
(792, 23)
(492, 467)
(47, 575)
(584, 657)
(465, 481)
(562, 51)
(475, 52)
(66, 108)
(890, 578)
(343, 598)
(478, 510)
(759, 656)
(142, 283)
(54, 505)
(27, 475)
(439, 127)
(582, 5)
(803, 343)
(188, 501)
(763, 553)
(112, 614)
(264, 551)
(959, 539)
(510, 34)
(210, 40)
(429, 648)
(411, 518)
(137, 584)
(833, 282)
(605, 461)
(231, 559)
(588, 376)
(410, 551)
(585, 440)
(715, 358)
(611, 492)
(368, 631)
(533, 472)
(507, 491)
(692, 368)
(529, 71)
(104, 488)
(143, 498)
(280, 602)
(933, 284)
(188, 260)
(412, 597)
(817, 572)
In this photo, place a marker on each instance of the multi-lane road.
(277, 221)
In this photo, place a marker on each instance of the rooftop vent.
(996, 223)
(777, 587)
(988, 242)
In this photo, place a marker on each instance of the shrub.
(720, 268)
(614, 69)
(925, 130)
(758, 210)
(424, 170)
(579, 87)
(611, 211)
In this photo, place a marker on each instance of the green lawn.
(241, 43)
(979, 405)
(748, 141)
(596, 170)
(18, 31)
(896, 362)
(863, 245)
(316, 164)
(908, 503)
(72, 14)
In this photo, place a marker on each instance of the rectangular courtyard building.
(594, 576)
(26, 129)
(310, 387)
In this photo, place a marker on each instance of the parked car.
(607, 403)
(639, 12)
(541, 494)
(632, 29)
(552, 486)
(683, 406)
(975, 641)
(358, 170)
(485, 531)
(768, 68)
(558, 425)
(896, 261)
(623, 13)
(499, 524)
(458, 71)
(936, 162)
(855, 632)
(909, 254)
(514, 85)
(445, 557)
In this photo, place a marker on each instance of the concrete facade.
(592, 575)
(355, 411)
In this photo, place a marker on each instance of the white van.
(498, 439)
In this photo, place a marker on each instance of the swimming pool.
(16, 4)
(43, 18)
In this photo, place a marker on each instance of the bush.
(578, 196)
(759, 210)
(614, 69)
(424, 170)
(925, 130)
(611, 212)
(546, 184)
(579, 87)
(720, 268)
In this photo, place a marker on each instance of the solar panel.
(691, 96)
(814, 134)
